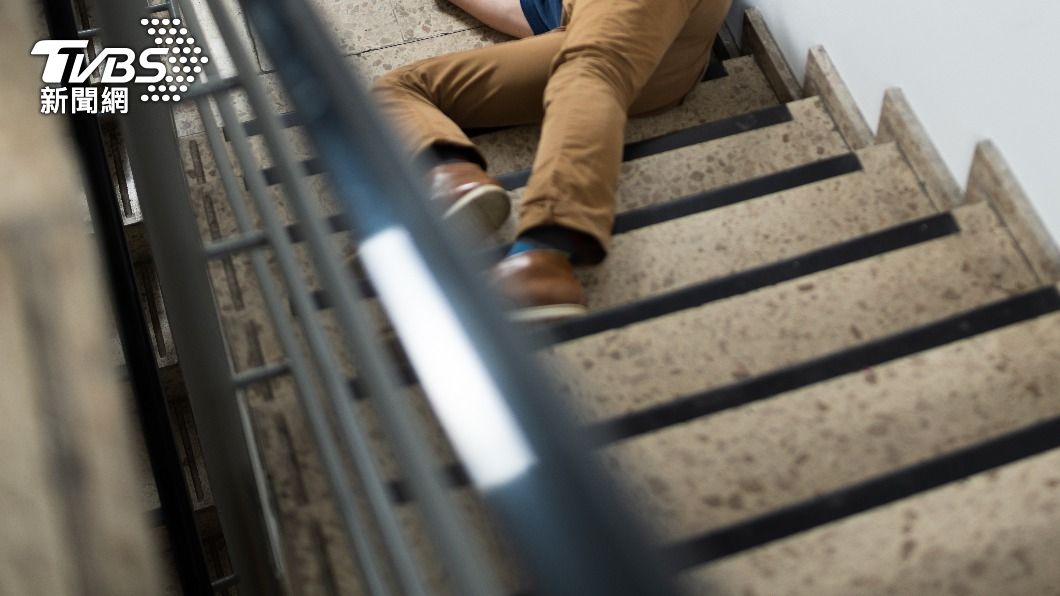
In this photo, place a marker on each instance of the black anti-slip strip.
(901, 484)
(735, 193)
(655, 214)
(455, 476)
(957, 328)
(309, 167)
(290, 119)
(710, 131)
(865, 247)
(406, 375)
(253, 128)
(719, 51)
(335, 223)
(321, 300)
(715, 199)
(715, 70)
(683, 138)
(712, 199)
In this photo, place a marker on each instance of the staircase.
(815, 367)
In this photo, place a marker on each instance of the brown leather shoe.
(541, 286)
(468, 194)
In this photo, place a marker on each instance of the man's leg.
(501, 85)
(620, 61)
(431, 101)
(617, 56)
(504, 85)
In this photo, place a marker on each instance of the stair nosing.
(1038, 303)
(881, 490)
(661, 213)
(694, 135)
(962, 326)
(680, 139)
(731, 194)
(898, 237)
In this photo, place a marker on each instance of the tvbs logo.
(96, 85)
(116, 65)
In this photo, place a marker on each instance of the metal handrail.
(519, 448)
(519, 452)
(176, 511)
(173, 234)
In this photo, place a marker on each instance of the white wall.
(972, 70)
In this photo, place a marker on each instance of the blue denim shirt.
(543, 15)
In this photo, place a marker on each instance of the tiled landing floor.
(375, 35)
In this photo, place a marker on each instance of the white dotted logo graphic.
(184, 61)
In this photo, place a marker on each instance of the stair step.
(625, 424)
(994, 533)
(301, 492)
(745, 89)
(485, 535)
(433, 435)
(512, 149)
(746, 461)
(620, 371)
(808, 137)
(369, 66)
(718, 242)
(885, 193)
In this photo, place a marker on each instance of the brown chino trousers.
(610, 59)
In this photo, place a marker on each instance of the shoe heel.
(484, 209)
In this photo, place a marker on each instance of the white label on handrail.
(462, 393)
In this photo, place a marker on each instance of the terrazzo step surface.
(486, 536)
(717, 242)
(761, 229)
(744, 90)
(719, 470)
(886, 193)
(908, 204)
(810, 136)
(995, 533)
(645, 364)
(313, 532)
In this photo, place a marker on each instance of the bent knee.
(403, 80)
(603, 65)
(399, 78)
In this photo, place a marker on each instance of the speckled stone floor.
(996, 533)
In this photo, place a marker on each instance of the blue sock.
(557, 238)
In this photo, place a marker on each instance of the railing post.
(174, 501)
(181, 260)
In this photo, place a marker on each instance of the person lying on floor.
(580, 68)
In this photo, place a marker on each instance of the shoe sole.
(549, 314)
(485, 208)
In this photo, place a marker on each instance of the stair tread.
(745, 89)
(886, 193)
(744, 462)
(655, 361)
(715, 243)
(994, 533)
(809, 137)
(485, 535)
